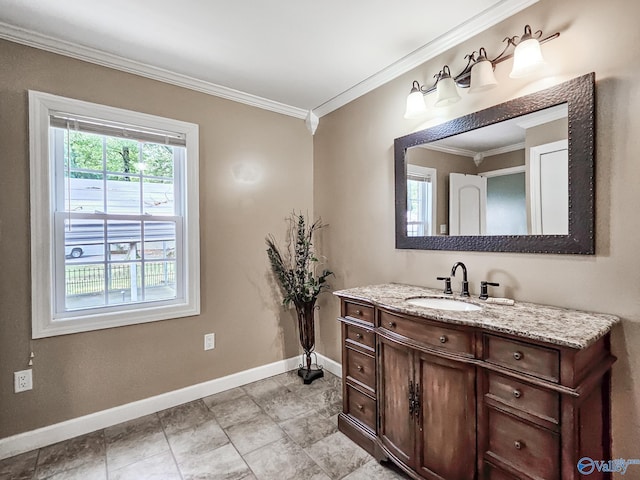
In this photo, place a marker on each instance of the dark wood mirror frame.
(579, 95)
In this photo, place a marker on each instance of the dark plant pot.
(306, 327)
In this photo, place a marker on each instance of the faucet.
(484, 289)
(465, 283)
(447, 285)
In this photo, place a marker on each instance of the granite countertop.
(560, 326)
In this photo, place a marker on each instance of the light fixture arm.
(463, 79)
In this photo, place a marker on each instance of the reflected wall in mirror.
(516, 177)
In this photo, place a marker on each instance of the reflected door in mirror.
(467, 204)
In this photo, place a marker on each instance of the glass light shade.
(447, 92)
(527, 58)
(416, 107)
(482, 77)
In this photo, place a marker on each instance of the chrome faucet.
(465, 282)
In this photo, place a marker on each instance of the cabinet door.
(397, 427)
(446, 429)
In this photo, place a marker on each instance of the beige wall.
(502, 160)
(359, 137)
(83, 373)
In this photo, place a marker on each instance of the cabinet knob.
(358, 335)
(359, 367)
(518, 355)
(443, 339)
(518, 444)
(360, 407)
(392, 324)
(358, 312)
(517, 393)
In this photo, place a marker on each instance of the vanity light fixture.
(446, 87)
(527, 56)
(482, 77)
(415, 102)
(478, 73)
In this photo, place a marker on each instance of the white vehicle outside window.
(114, 216)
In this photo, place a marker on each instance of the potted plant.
(295, 269)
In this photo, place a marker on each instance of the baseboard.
(41, 437)
(330, 365)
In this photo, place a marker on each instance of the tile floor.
(275, 428)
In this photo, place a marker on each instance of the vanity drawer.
(529, 449)
(430, 334)
(361, 368)
(541, 403)
(361, 407)
(523, 357)
(363, 313)
(360, 336)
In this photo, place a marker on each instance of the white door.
(467, 204)
(549, 188)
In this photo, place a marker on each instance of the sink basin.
(444, 304)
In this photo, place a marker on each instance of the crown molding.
(505, 149)
(87, 54)
(463, 152)
(466, 30)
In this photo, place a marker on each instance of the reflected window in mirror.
(421, 200)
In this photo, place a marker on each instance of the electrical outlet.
(22, 381)
(209, 341)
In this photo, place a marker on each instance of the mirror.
(516, 177)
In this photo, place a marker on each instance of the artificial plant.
(296, 269)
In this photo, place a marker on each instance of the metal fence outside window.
(90, 279)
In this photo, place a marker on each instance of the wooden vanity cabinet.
(427, 408)
(450, 402)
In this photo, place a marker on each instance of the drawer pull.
(359, 367)
(392, 324)
(360, 407)
(518, 444)
(358, 312)
(358, 336)
(517, 393)
(518, 355)
(443, 339)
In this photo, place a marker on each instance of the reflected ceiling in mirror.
(516, 177)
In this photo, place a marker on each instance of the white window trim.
(42, 220)
(432, 174)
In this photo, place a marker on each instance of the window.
(421, 188)
(114, 216)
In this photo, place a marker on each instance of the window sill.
(88, 323)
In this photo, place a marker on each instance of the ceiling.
(288, 56)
